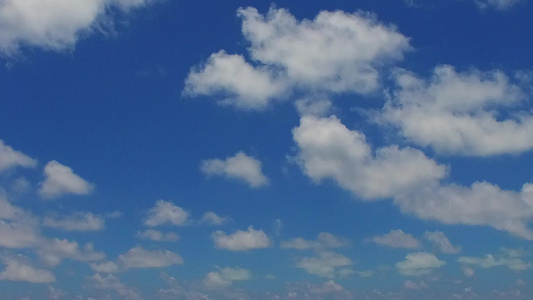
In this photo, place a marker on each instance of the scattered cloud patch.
(419, 263)
(165, 212)
(54, 251)
(80, 221)
(211, 218)
(496, 4)
(324, 241)
(240, 166)
(397, 239)
(480, 204)
(110, 282)
(105, 267)
(441, 243)
(60, 180)
(225, 277)
(157, 236)
(138, 257)
(10, 158)
(326, 264)
(241, 240)
(509, 258)
(19, 270)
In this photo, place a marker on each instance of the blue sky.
(156, 149)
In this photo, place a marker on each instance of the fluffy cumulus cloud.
(239, 83)
(60, 180)
(419, 263)
(480, 204)
(53, 24)
(324, 241)
(165, 212)
(17, 269)
(336, 52)
(240, 166)
(158, 236)
(397, 239)
(326, 264)
(509, 258)
(330, 150)
(11, 158)
(241, 240)
(140, 258)
(79, 221)
(225, 277)
(458, 112)
(441, 243)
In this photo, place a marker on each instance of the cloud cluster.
(330, 150)
(54, 24)
(79, 221)
(459, 112)
(337, 52)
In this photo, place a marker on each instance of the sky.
(168, 149)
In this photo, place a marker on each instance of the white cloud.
(314, 107)
(61, 180)
(53, 24)
(105, 267)
(496, 4)
(18, 228)
(10, 158)
(140, 258)
(166, 212)
(225, 277)
(211, 218)
(79, 221)
(326, 264)
(335, 52)
(240, 166)
(158, 236)
(324, 241)
(509, 258)
(241, 240)
(458, 112)
(419, 263)
(239, 82)
(480, 204)
(468, 272)
(53, 251)
(18, 270)
(397, 239)
(113, 283)
(441, 242)
(330, 150)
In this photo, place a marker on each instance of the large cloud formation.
(337, 52)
